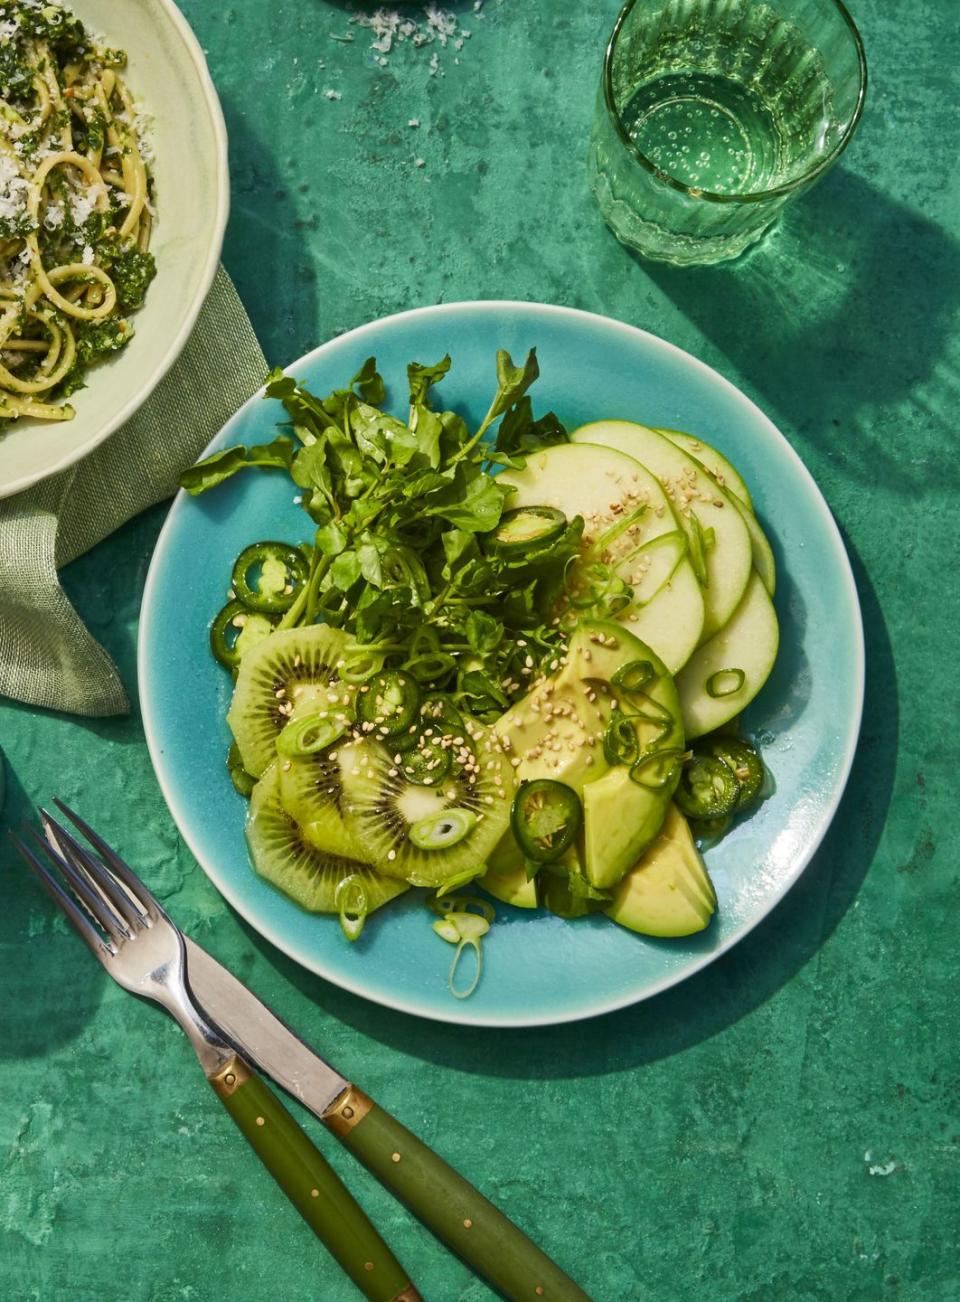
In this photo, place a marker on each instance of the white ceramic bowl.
(167, 74)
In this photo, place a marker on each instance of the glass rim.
(757, 196)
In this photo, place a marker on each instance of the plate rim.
(617, 1001)
(205, 280)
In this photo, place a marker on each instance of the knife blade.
(260, 1035)
(447, 1204)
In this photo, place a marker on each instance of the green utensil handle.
(447, 1204)
(311, 1184)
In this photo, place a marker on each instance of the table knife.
(446, 1203)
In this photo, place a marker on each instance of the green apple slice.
(699, 503)
(727, 476)
(604, 485)
(723, 471)
(744, 650)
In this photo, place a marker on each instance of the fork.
(129, 932)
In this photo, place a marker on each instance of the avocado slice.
(622, 816)
(506, 875)
(668, 893)
(620, 819)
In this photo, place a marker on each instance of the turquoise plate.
(538, 969)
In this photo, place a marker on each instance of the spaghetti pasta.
(76, 208)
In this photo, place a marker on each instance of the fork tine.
(83, 883)
(94, 871)
(80, 922)
(92, 901)
(122, 871)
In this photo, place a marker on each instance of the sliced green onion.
(272, 554)
(463, 920)
(390, 701)
(617, 530)
(631, 677)
(675, 538)
(426, 659)
(443, 830)
(310, 734)
(361, 663)
(463, 904)
(657, 768)
(447, 930)
(352, 904)
(620, 744)
(451, 978)
(545, 817)
(526, 528)
(725, 682)
(431, 667)
(698, 550)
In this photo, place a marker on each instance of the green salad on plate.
(508, 657)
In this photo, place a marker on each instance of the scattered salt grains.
(434, 26)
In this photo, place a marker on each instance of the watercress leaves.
(213, 470)
(401, 514)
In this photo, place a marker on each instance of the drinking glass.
(712, 114)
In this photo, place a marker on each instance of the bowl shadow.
(41, 1012)
(856, 289)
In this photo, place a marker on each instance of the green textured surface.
(784, 1125)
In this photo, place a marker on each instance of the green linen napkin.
(47, 656)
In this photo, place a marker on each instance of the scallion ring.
(725, 682)
(310, 734)
(352, 904)
(656, 769)
(633, 676)
(620, 744)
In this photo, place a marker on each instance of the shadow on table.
(842, 319)
(40, 1011)
(716, 998)
(264, 232)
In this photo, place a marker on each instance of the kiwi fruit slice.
(381, 805)
(291, 669)
(311, 791)
(283, 854)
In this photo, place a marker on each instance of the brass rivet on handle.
(368, 1265)
(346, 1111)
(539, 1290)
(394, 1157)
(314, 1193)
(261, 1121)
(468, 1224)
(230, 1078)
